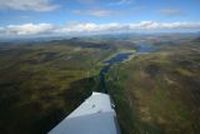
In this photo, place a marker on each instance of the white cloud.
(28, 5)
(121, 2)
(171, 12)
(94, 12)
(87, 1)
(134, 27)
(28, 29)
(91, 28)
(109, 2)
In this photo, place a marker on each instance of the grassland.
(159, 92)
(41, 83)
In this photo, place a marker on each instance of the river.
(120, 57)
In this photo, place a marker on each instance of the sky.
(67, 17)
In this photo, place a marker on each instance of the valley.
(152, 79)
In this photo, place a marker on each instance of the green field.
(156, 92)
(40, 84)
(159, 92)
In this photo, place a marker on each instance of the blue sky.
(61, 15)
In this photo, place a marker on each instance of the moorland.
(156, 91)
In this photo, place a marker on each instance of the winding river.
(120, 57)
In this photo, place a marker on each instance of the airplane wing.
(94, 116)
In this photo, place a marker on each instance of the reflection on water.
(141, 48)
(144, 48)
(120, 57)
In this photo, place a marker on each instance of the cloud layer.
(92, 28)
(28, 5)
(27, 29)
(171, 12)
(94, 12)
(121, 2)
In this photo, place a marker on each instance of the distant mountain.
(197, 39)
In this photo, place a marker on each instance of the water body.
(118, 58)
(141, 48)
